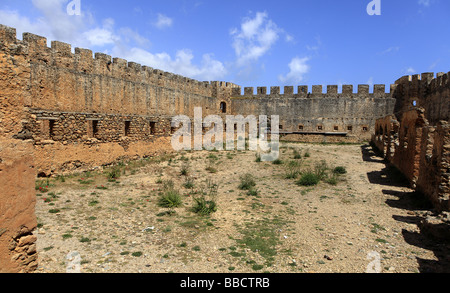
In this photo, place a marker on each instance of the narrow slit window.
(51, 128)
(94, 128)
(127, 128)
(152, 127)
(223, 107)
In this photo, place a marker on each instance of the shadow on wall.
(432, 236)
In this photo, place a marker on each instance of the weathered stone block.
(17, 207)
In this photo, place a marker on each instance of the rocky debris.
(436, 225)
(327, 257)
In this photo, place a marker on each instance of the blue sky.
(253, 43)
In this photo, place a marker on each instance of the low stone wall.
(17, 208)
(319, 138)
(71, 141)
(83, 157)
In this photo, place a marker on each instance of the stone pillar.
(17, 208)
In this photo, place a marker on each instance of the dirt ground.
(365, 221)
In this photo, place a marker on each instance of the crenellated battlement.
(428, 80)
(81, 60)
(316, 91)
(427, 90)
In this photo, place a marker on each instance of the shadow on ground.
(418, 208)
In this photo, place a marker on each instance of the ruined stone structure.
(416, 138)
(72, 103)
(64, 110)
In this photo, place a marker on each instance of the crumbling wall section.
(434, 176)
(420, 151)
(386, 136)
(17, 208)
(428, 91)
(408, 151)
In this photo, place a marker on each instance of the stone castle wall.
(53, 96)
(416, 138)
(17, 207)
(347, 115)
(17, 171)
(428, 91)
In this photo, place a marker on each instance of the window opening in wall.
(223, 107)
(48, 127)
(94, 128)
(365, 128)
(336, 128)
(320, 127)
(51, 128)
(301, 127)
(127, 128)
(350, 128)
(152, 127)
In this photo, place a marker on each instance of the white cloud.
(389, 50)
(182, 64)
(59, 24)
(128, 35)
(255, 38)
(22, 24)
(298, 67)
(289, 38)
(102, 36)
(410, 70)
(434, 64)
(425, 3)
(163, 21)
(315, 48)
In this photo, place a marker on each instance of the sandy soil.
(367, 221)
